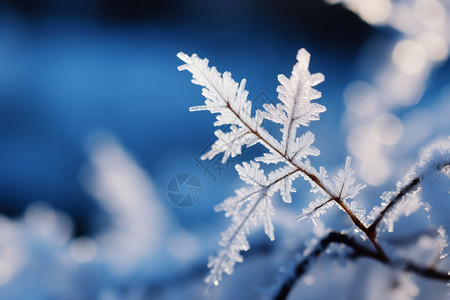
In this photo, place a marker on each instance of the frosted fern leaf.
(296, 94)
(252, 204)
(228, 99)
(342, 188)
(344, 183)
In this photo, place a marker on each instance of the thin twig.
(392, 203)
(368, 233)
(358, 251)
(405, 190)
(316, 180)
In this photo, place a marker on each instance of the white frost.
(252, 204)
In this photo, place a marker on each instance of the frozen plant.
(252, 204)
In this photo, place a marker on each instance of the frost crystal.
(252, 204)
(435, 181)
(433, 174)
(343, 188)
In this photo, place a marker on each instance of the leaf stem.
(316, 180)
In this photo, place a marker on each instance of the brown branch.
(316, 180)
(405, 190)
(361, 226)
(413, 184)
(358, 251)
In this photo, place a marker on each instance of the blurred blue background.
(76, 73)
(75, 67)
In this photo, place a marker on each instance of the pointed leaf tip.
(304, 57)
(181, 54)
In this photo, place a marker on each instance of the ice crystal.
(252, 204)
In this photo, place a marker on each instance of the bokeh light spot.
(409, 57)
(83, 249)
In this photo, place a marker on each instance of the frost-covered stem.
(242, 223)
(268, 145)
(289, 129)
(392, 203)
(405, 190)
(316, 180)
(364, 229)
(358, 251)
(303, 266)
(231, 240)
(428, 272)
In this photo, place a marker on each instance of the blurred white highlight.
(361, 98)
(374, 11)
(49, 224)
(183, 245)
(434, 45)
(126, 192)
(361, 143)
(431, 13)
(83, 249)
(371, 11)
(375, 170)
(387, 129)
(12, 257)
(398, 81)
(409, 57)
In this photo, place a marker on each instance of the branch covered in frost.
(390, 205)
(435, 161)
(429, 171)
(252, 204)
(358, 251)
